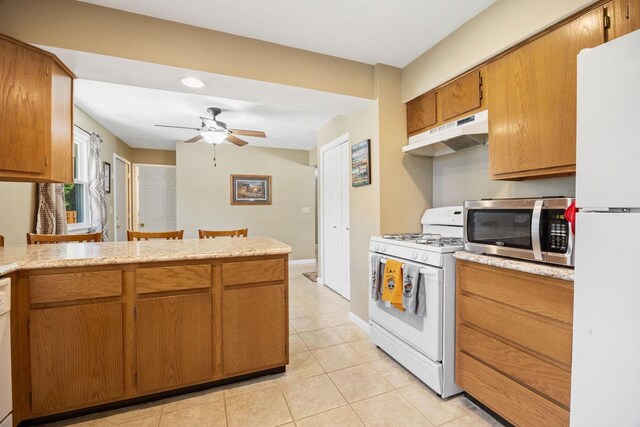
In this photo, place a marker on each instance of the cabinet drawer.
(548, 380)
(552, 298)
(75, 286)
(245, 272)
(527, 332)
(175, 278)
(514, 402)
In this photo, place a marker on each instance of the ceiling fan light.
(214, 138)
(192, 82)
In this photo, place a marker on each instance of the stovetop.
(426, 239)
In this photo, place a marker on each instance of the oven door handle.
(429, 272)
(536, 230)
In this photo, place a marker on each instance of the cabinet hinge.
(480, 81)
(28, 327)
(46, 161)
(627, 11)
(135, 379)
(606, 19)
(46, 70)
(30, 399)
(481, 94)
(135, 314)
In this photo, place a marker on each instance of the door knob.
(117, 226)
(141, 225)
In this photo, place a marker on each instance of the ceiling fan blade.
(232, 139)
(256, 133)
(176, 127)
(194, 139)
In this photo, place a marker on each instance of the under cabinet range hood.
(471, 131)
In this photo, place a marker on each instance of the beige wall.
(17, 213)
(501, 25)
(464, 176)
(85, 27)
(401, 186)
(405, 181)
(203, 193)
(153, 157)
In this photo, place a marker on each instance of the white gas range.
(423, 345)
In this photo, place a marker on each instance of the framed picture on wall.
(107, 177)
(250, 190)
(361, 164)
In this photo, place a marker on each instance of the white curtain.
(51, 217)
(97, 196)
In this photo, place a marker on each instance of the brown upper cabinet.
(461, 95)
(421, 113)
(36, 114)
(532, 107)
(454, 100)
(622, 17)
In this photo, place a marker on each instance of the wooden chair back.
(146, 235)
(39, 239)
(212, 234)
(1, 241)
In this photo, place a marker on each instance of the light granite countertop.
(30, 257)
(558, 272)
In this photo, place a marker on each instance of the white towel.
(376, 277)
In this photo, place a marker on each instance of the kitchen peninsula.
(98, 323)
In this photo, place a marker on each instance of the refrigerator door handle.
(535, 230)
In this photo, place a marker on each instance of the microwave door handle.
(536, 230)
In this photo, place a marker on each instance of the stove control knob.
(414, 254)
(425, 257)
(377, 247)
(384, 248)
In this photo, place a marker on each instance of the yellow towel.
(392, 284)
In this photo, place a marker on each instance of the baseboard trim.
(302, 261)
(359, 322)
(320, 281)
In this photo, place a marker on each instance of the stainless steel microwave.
(531, 229)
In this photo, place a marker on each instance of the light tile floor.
(336, 377)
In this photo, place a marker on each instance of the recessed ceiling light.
(192, 82)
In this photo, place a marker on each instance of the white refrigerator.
(605, 382)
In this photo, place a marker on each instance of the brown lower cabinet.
(513, 343)
(84, 337)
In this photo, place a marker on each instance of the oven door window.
(500, 227)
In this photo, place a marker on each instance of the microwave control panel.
(558, 231)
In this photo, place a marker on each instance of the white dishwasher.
(5, 354)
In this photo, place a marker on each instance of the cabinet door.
(254, 329)
(532, 107)
(421, 113)
(173, 341)
(61, 167)
(76, 356)
(23, 108)
(624, 17)
(461, 95)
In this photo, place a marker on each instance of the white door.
(121, 198)
(156, 196)
(606, 350)
(336, 219)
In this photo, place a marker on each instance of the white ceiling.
(131, 112)
(392, 32)
(128, 97)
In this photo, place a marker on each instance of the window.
(76, 195)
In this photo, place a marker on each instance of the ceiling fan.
(213, 131)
